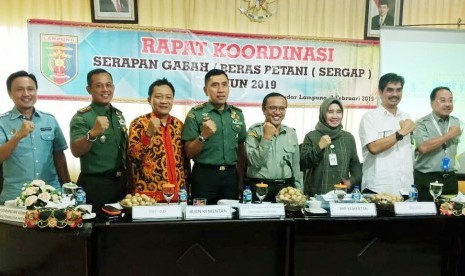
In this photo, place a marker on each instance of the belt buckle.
(222, 168)
(118, 174)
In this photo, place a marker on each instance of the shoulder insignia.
(236, 108)
(197, 107)
(85, 109)
(117, 110)
(190, 115)
(252, 133)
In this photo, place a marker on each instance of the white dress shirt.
(392, 169)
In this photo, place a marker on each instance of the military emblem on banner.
(58, 57)
(258, 10)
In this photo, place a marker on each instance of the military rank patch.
(252, 133)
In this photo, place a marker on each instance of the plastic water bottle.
(182, 195)
(356, 194)
(80, 196)
(413, 193)
(247, 195)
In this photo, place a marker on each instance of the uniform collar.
(282, 129)
(386, 112)
(15, 114)
(211, 107)
(100, 109)
(439, 119)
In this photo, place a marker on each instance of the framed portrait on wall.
(379, 13)
(114, 11)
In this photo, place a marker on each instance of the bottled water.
(182, 195)
(356, 194)
(80, 196)
(247, 195)
(413, 193)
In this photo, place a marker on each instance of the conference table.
(44, 251)
(296, 245)
(377, 246)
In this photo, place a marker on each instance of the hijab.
(322, 126)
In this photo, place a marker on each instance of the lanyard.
(440, 132)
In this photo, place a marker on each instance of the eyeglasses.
(276, 108)
(103, 85)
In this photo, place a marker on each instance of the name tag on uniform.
(332, 159)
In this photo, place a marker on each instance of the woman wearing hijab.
(329, 153)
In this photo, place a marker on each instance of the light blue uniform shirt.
(33, 157)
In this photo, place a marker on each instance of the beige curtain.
(315, 18)
(417, 12)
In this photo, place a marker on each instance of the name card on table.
(208, 212)
(154, 213)
(414, 208)
(274, 210)
(352, 209)
(12, 214)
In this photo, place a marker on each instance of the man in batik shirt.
(155, 146)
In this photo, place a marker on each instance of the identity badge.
(332, 159)
(445, 164)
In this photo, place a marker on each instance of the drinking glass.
(199, 201)
(68, 190)
(168, 192)
(435, 189)
(340, 190)
(261, 191)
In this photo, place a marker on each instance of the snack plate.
(89, 216)
(319, 211)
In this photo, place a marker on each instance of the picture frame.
(392, 10)
(114, 11)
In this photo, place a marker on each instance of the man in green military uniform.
(99, 139)
(214, 134)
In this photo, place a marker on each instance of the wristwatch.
(399, 136)
(202, 139)
(88, 137)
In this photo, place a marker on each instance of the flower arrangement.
(37, 194)
(47, 208)
(53, 218)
